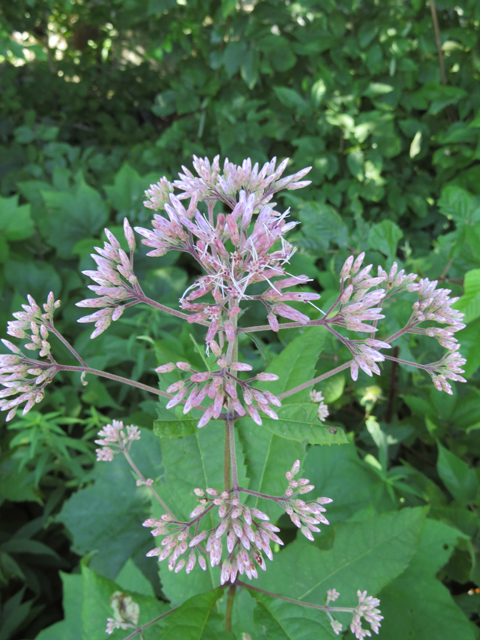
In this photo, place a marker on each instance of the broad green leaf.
(355, 162)
(190, 620)
(327, 468)
(107, 517)
(365, 555)
(321, 225)
(36, 279)
(173, 424)
(279, 620)
(131, 578)
(126, 195)
(384, 237)
(457, 204)
(296, 364)
(469, 339)
(290, 98)
(15, 221)
(300, 422)
(72, 216)
(96, 608)
(69, 628)
(416, 605)
(233, 56)
(469, 303)
(460, 480)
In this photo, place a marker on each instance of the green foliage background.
(98, 100)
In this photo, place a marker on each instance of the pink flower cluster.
(115, 281)
(367, 608)
(221, 387)
(304, 515)
(247, 531)
(24, 377)
(115, 438)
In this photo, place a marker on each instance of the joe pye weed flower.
(227, 221)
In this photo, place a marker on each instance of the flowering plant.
(231, 228)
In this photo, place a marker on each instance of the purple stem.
(310, 383)
(321, 607)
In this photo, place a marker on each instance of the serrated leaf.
(15, 221)
(296, 364)
(469, 303)
(300, 422)
(458, 204)
(267, 458)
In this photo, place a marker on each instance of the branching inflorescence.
(231, 228)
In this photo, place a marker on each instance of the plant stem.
(149, 624)
(425, 367)
(227, 480)
(230, 427)
(261, 495)
(310, 383)
(52, 329)
(112, 376)
(143, 479)
(228, 613)
(321, 607)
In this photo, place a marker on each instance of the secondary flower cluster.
(220, 387)
(115, 438)
(356, 304)
(24, 377)
(367, 608)
(247, 531)
(115, 281)
(304, 515)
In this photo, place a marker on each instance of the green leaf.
(27, 546)
(366, 555)
(355, 162)
(72, 217)
(300, 422)
(327, 468)
(460, 480)
(333, 388)
(178, 426)
(416, 606)
(267, 458)
(15, 221)
(96, 607)
(290, 98)
(469, 303)
(107, 517)
(70, 627)
(279, 620)
(233, 56)
(384, 237)
(459, 205)
(127, 193)
(190, 620)
(131, 578)
(296, 364)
